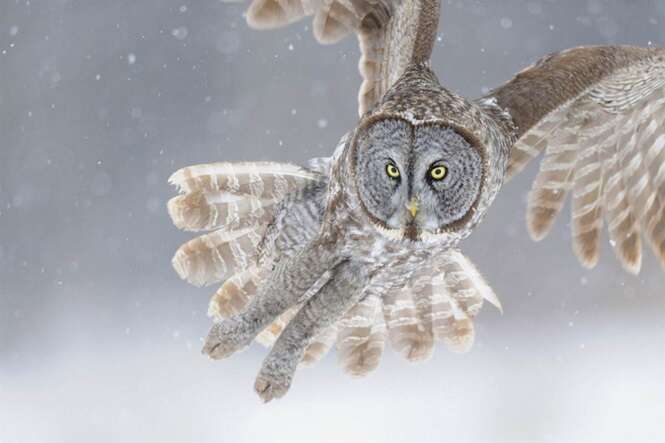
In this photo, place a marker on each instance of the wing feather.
(392, 34)
(216, 256)
(203, 211)
(586, 214)
(654, 218)
(236, 292)
(319, 346)
(271, 14)
(622, 221)
(439, 302)
(598, 113)
(262, 180)
(406, 332)
(549, 190)
(465, 291)
(361, 337)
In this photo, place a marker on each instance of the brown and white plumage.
(304, 264)
(361, 336)
(237, 201)
(392, 34)
(598, 115)
(232, 195)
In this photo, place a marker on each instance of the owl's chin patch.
(433, 237)
(412, 233)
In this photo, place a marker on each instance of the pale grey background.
(99, 341)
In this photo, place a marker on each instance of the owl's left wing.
(393, 34)
(598, 113)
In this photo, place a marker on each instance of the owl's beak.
(412, 207)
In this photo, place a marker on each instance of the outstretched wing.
(598, 113)
(236, 201)
(393, 34)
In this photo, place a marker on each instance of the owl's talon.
(268, 388)
(217, 350)
(223, 340)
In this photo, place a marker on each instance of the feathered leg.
(325, 308)
(289, 281)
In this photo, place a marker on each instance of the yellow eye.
(438, 173)
(392, 171)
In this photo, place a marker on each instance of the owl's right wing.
(598, 113)
(393, 34)
(236, 201)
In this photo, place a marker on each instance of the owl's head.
(417, 182)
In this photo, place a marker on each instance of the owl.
(363, 248)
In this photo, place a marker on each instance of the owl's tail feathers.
(361, 337)
(217, 256)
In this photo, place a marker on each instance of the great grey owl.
(363, 247)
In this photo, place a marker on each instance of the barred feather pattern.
(392, 34)
(532, 144)
(607, 147)
(238, 200)
(203, 211)
(408, 335)
(262, 180)
(236, 292)
(334, 20)
(361, 336)
(437, 303)
(214, 257)
(232, 196)
(586, 218)
(553, 181)
(458, 296)
(319, 346)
